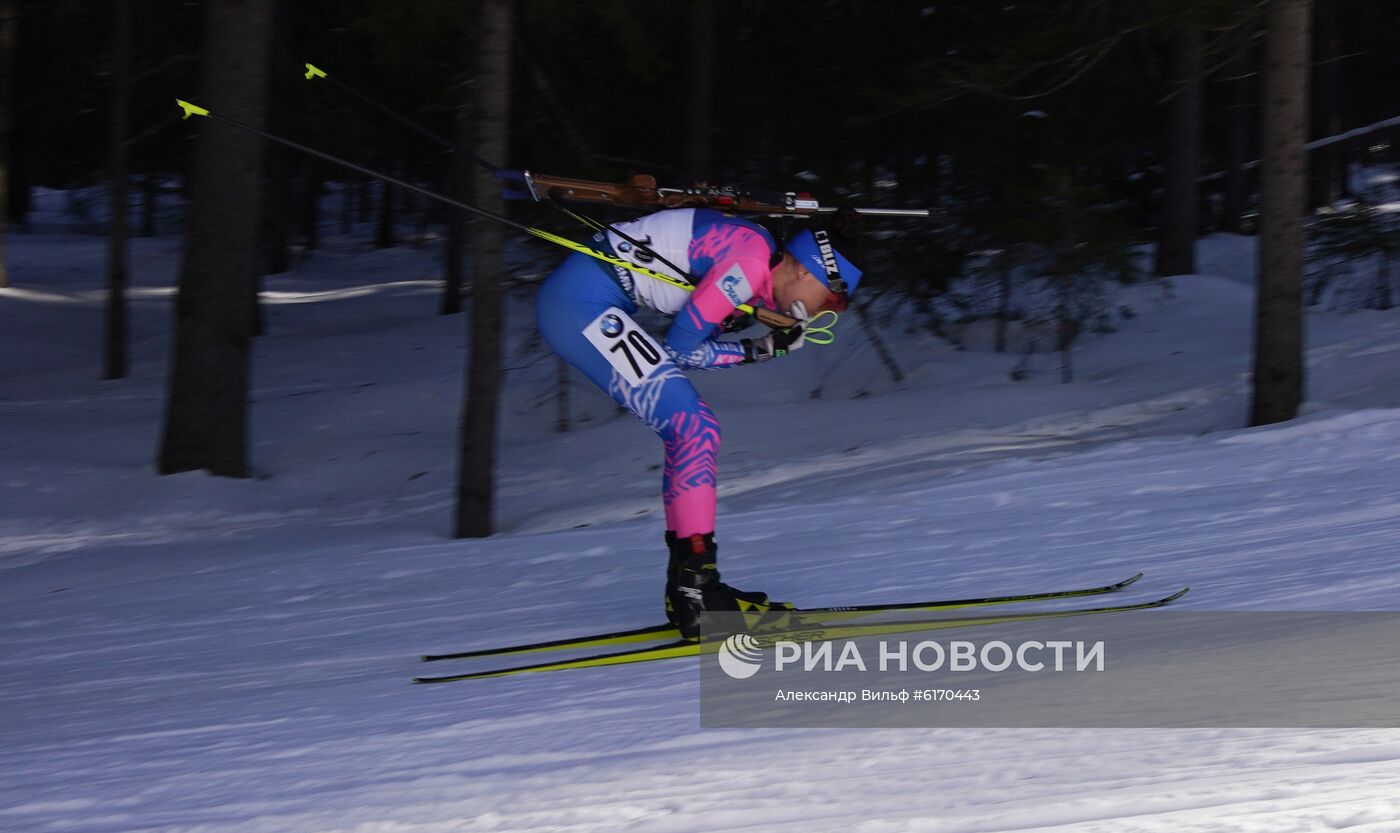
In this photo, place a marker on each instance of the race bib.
(628, 348)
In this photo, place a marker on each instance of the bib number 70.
(627, 347)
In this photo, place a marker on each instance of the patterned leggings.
(574, 295)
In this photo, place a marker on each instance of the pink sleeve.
(738, 274)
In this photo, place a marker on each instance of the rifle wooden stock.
(641, 191)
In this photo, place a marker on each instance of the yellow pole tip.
(313, 71)
(191, 109)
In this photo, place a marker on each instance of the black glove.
(738, 324)
(779, 342)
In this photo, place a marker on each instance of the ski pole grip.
(775, 320)
(515, 185)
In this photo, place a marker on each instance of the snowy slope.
(193, 654)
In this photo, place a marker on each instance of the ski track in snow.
(195, 655)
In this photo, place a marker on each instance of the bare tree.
(1278, 346)
(206, 416)
(477, 444)
(1176, 244)
(116, 358)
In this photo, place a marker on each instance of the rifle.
(642, 191)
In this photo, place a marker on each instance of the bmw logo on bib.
(633, 354)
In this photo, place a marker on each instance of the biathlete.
(584, 312)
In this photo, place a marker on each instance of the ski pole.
(314, 72)
(769, 317)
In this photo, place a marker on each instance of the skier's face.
(792, 282)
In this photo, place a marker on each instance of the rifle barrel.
(883, 212)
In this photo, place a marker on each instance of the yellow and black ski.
(667, 631)
(806, 633)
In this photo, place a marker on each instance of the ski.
(668, 631)
(816, 633)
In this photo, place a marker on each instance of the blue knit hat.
(814, 251)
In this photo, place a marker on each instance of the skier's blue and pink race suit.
(584, 310)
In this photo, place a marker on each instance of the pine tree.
(1278, 345)
(206, 417)
(477, 446)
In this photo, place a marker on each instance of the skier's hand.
(738, 323)
(779, 342)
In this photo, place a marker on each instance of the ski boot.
(693, 586)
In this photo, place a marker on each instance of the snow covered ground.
(195, 654)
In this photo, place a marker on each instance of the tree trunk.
(385, 238)
(408, 209)
(1003, 300)
(904, 164)
(1176, 244)
(9, 19)
(276, 210)
(1066, 330)
(366, 201)
(279, 197)
(1326, 171)
(257, 323)
(206, 416)
(1278, 346)
(882, 350)
(476, 472)
(346, 215)
(311, 207)
(459, 176)
(869, 158)
(150, 196)
(1238, 101)
(115, 366)
(700, 95)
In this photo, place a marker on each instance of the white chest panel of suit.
(668, 233)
